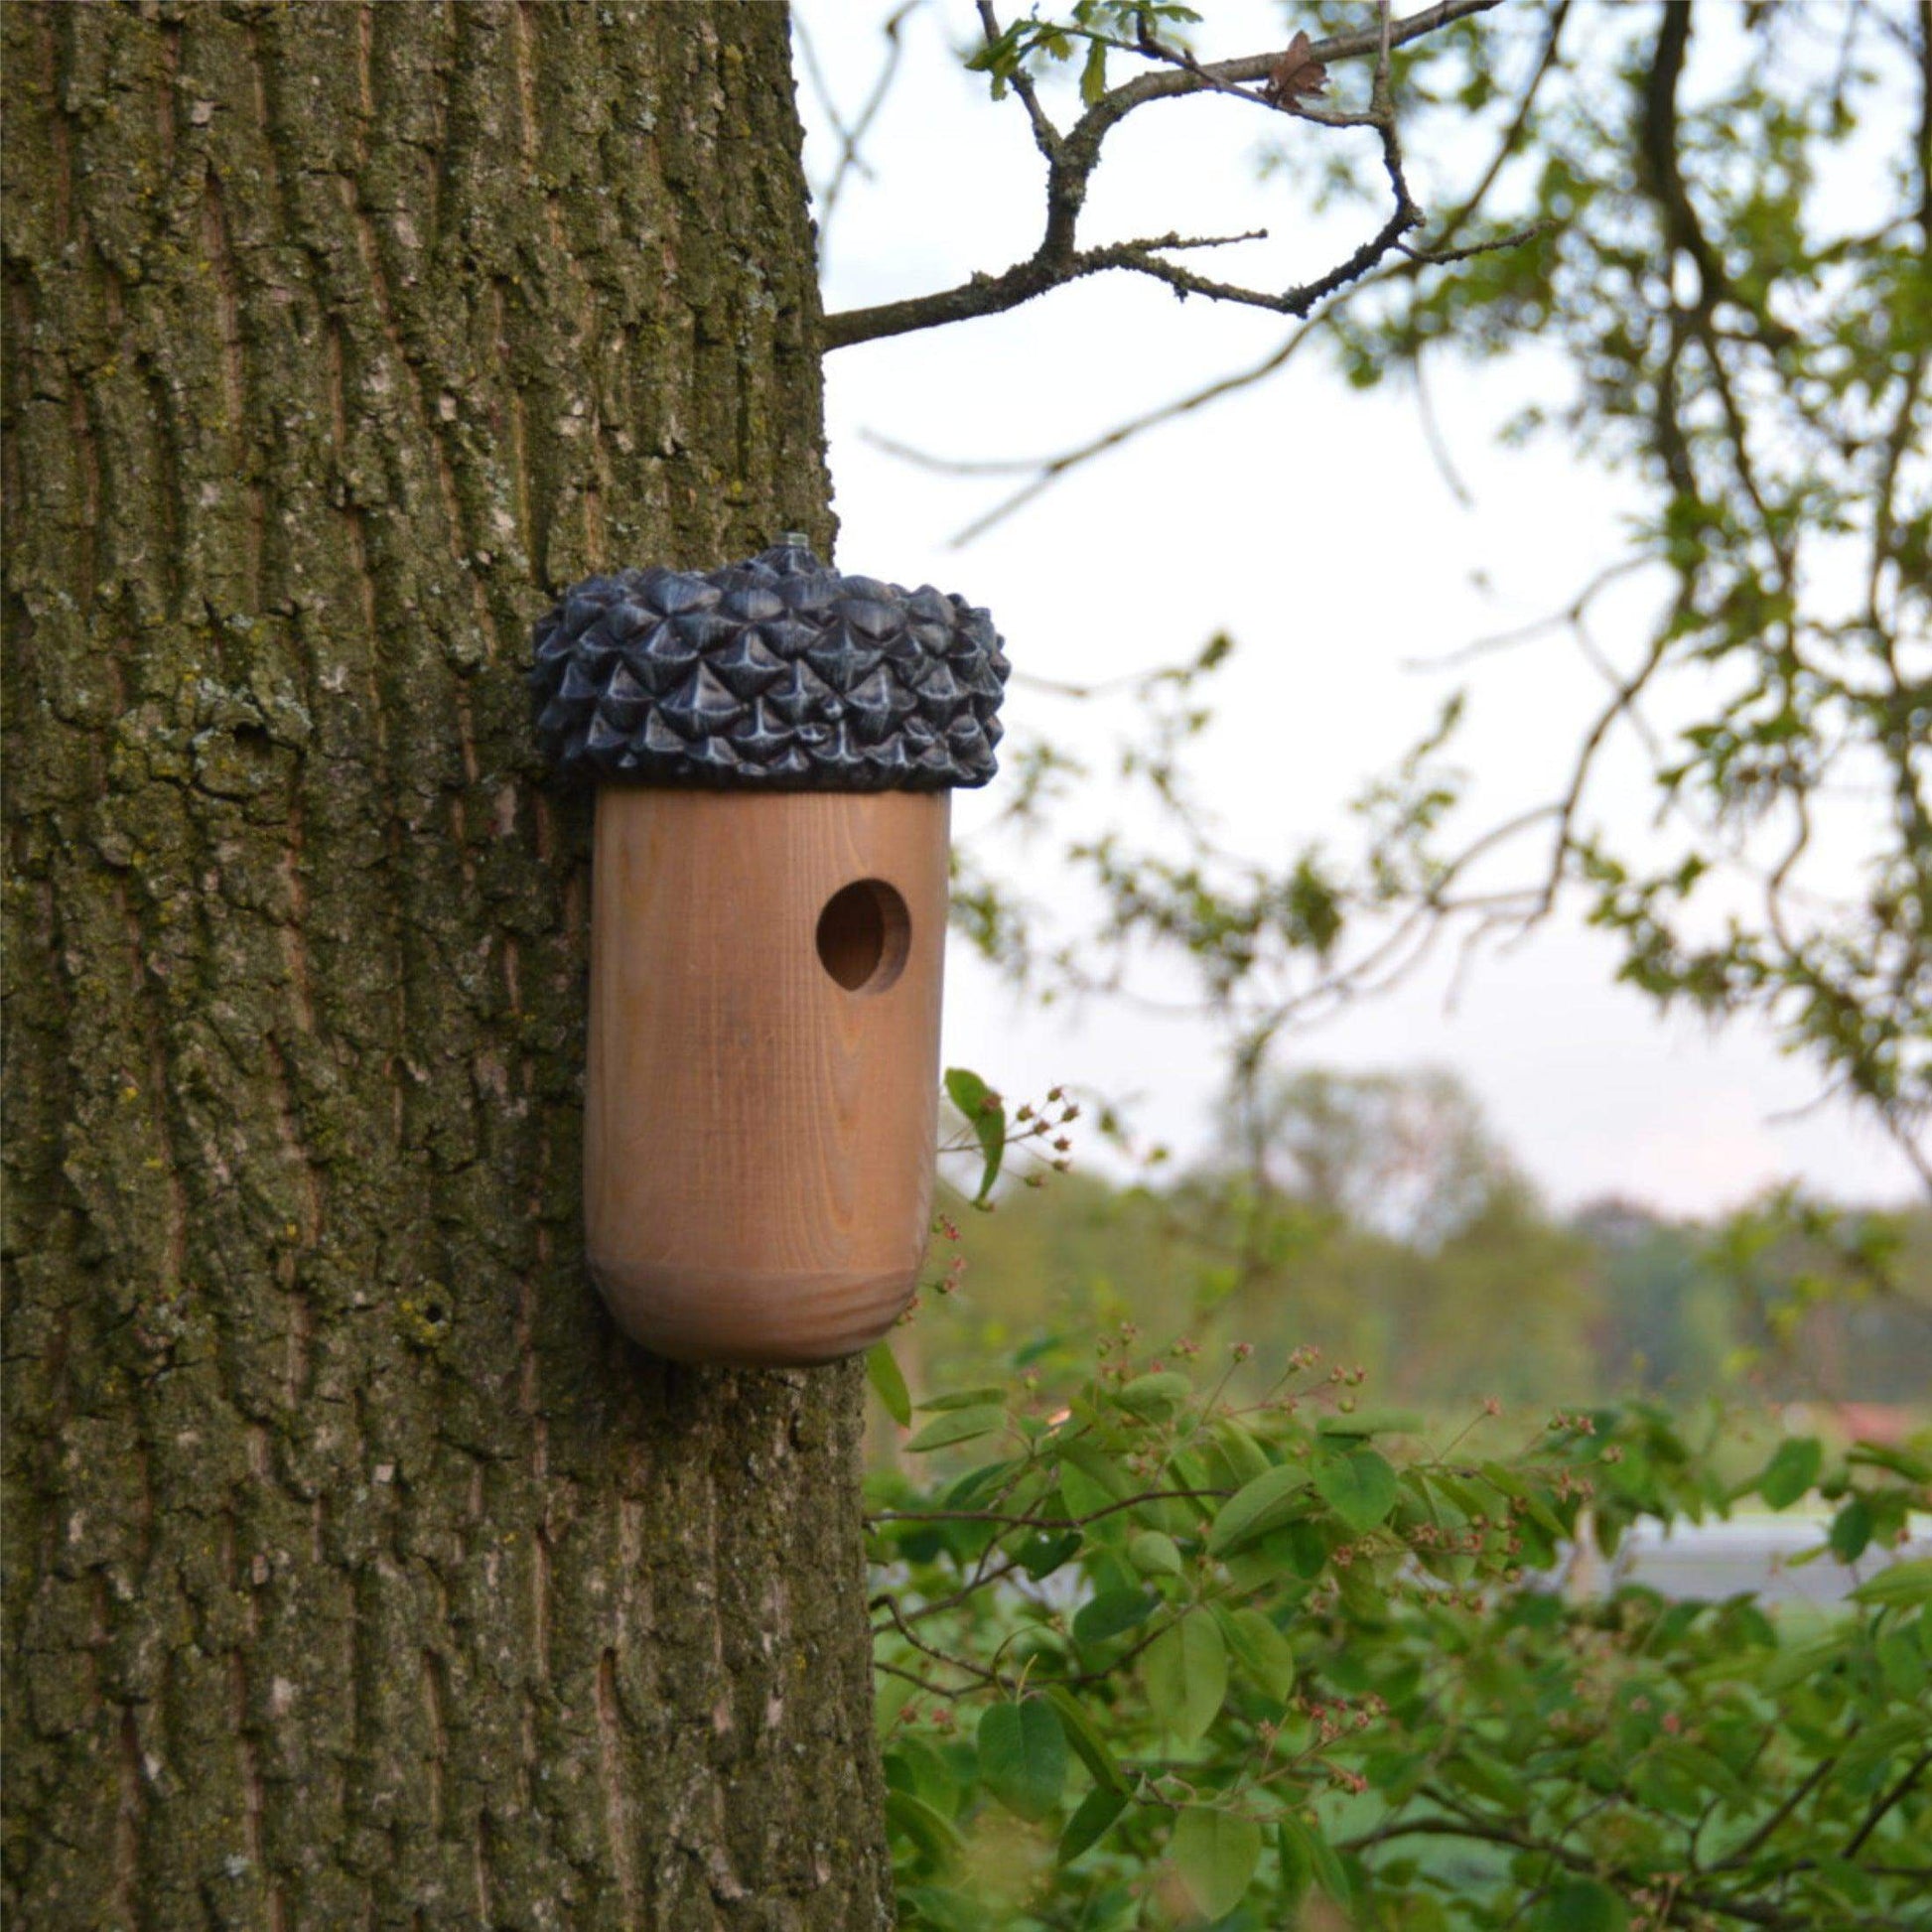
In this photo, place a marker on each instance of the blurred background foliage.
(1374, 1216)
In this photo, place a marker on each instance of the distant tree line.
(1376, 1218)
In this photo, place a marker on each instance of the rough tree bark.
(359, 1575)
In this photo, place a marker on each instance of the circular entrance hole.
(864, 934)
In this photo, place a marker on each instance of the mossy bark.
(359, 1575)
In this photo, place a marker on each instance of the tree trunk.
(359, 1576)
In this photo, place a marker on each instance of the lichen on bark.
(357, 1573)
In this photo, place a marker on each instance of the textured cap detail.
(775, 673)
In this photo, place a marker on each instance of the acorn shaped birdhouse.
(774, 746)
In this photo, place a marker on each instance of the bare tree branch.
(1072, 157)
(1043, 473)
(1048, 470)
(850, 135)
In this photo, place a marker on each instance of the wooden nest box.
(775, 746)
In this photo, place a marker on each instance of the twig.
(1537, 626)
(1041, 1522)
(1432, 431)
(1073, 156)
(939, 1656)
(1793, 1799)
(1046, 137)
(913, 1677)
(1443, 257)
(1045, 471)
(850, 136)
(1882, 1805)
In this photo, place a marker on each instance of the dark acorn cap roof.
(773, 674)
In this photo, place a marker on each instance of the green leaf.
(1090, 1482)
(1215, 1853)
(1091, 1818)
(1304, 1849)
(939, 1405)
(1903, 1663)
(890, 1695)
(930, 1832)
(1111, 1612)
(1866, 1755)
(1886, 1455)
(1477, 1772)
(1704, 1770)
(1023, 1757)
(1454, 1490)
(1514, 1488)
(1245, 1457)
(915, 1765)
(961, 1426)
(1081, 1734)
(1899, 1582)
(996, 53)
(1256, 1508)
(1262, 1651)
(939, 1908)
(1041, 1555)
(1582, 1905)
(1791, 1471)
(1852, 1530)
(882, 1368)
(1373, 1422)
(1153, 1394)
(1803, 1663)
(1298, 1867)
(977, 1487)
(1846, 1880)
(1187, 1675)
(1155, 1555)
(1363, 1594)
(1359, 1487)
(986, 1115)
(1093, 76)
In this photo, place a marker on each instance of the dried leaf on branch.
(1298, 74)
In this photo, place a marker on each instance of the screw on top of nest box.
(775, 673)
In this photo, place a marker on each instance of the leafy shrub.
(1152, 1652)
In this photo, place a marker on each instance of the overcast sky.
(1310, 522)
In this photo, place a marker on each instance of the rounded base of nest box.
(733, 1321)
